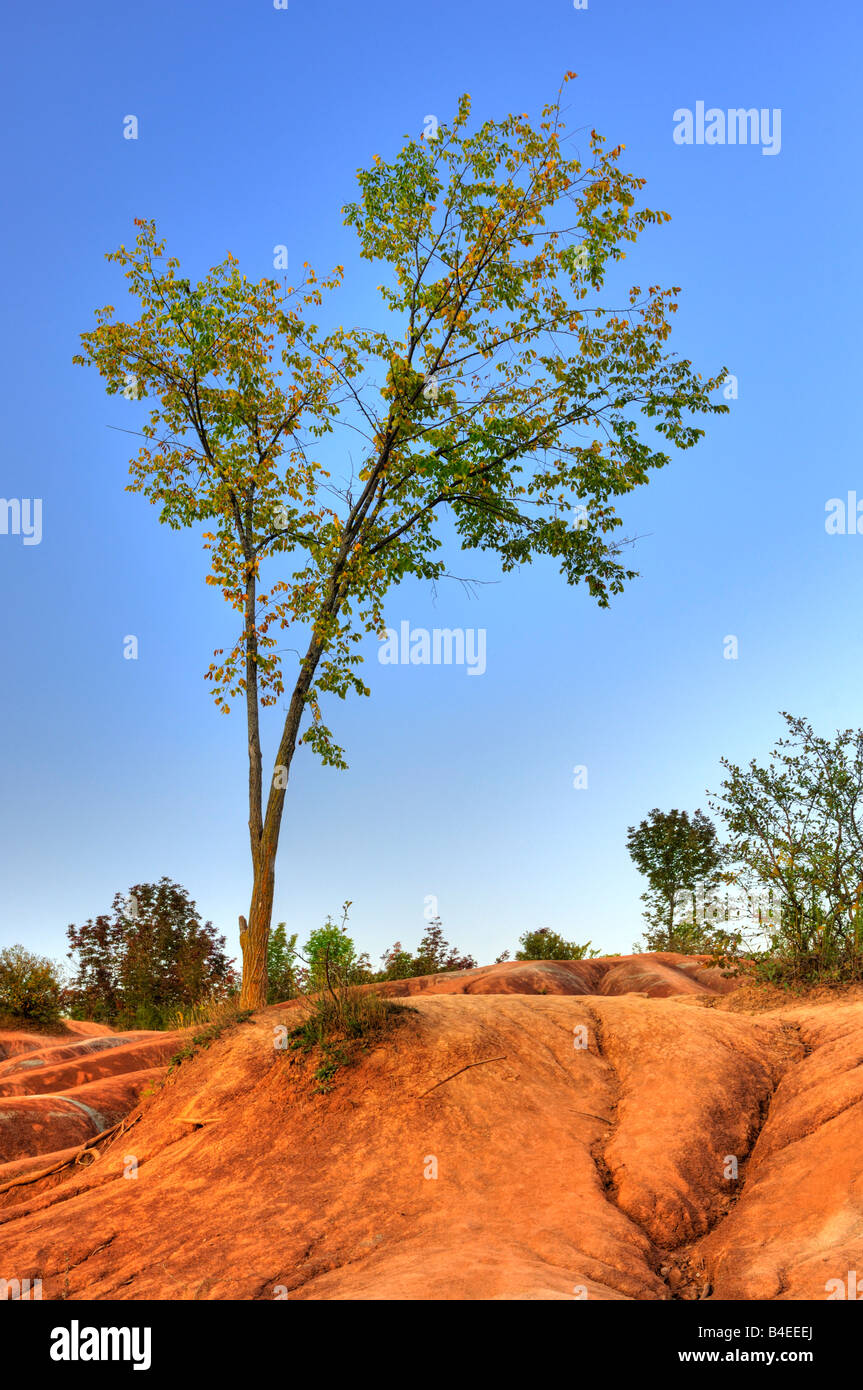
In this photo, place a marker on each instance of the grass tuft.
(205, 1037)
(340, 1026)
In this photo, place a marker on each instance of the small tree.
(397, 963)
(282, 958)
(151, 956)
(545, 944)
(97, 954)
(330, 954)
(680, 857)
(796, 845)
(434, 956)
(501, 409)
(30, 986)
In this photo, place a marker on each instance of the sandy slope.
(549, 1131)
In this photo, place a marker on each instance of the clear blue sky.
(253, 122)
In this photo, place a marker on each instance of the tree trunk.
(255, 938)
(254, 934)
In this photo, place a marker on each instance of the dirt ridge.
(560, 1172)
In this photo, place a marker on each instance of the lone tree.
(503, 405)
(677, 855)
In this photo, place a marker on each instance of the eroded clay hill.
(60, 1092)
(616, 1129)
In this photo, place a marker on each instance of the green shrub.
(340, 1025)
(685, 938)
(544, 944)
(30, 986)
(330, 952)
(341, 1017)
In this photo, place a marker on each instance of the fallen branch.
(75, 1158)
(483, 1063)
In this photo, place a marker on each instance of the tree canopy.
(678, 854)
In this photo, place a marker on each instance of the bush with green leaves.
(31, 986)
(545, 944)
(690, 936)
(330, 954)
(341, 1016)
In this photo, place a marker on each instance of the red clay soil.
(610, 1129)
(56, 1092)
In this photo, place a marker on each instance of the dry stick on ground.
(75, 1158)
(484, 1061)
